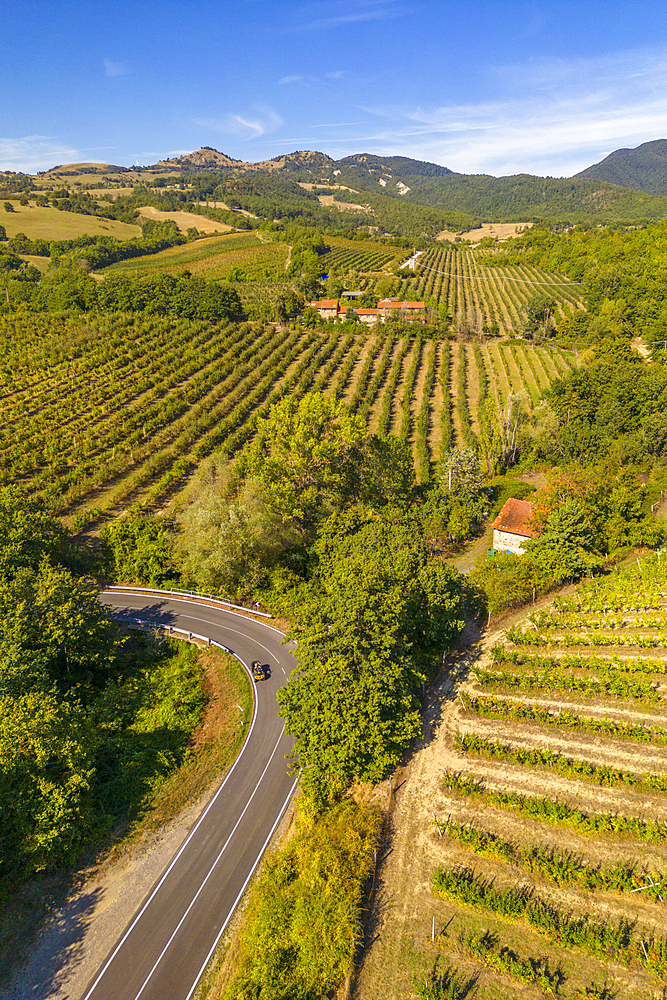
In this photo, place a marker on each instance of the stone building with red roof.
(410, 312)
(327, 308)
(513, 527)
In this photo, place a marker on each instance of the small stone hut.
(513, 528)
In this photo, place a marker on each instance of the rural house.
(512, 528)
(411, 312)
(327, 308)
(414, 312)
(368, 316)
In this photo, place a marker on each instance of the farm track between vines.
(434, 437)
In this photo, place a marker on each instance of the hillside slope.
(643, 168)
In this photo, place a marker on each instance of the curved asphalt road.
(165, 948)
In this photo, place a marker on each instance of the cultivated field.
(359, 255)
(475, 292)
(115, 411)
(185, 220)
(215, 258)
(498, 230)
(529, 833)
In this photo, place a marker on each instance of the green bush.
(305, 910)
(137, 550)
(502, 489)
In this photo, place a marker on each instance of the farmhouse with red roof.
(387, 308)
(512, 528)
(327, 308)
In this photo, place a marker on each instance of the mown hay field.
(185, 220)
(530, 841)
(106, 413)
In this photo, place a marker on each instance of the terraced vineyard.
(530, 844)
(472, 289)
(551, 816)
(106, 413)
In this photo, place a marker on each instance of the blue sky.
(495, 86)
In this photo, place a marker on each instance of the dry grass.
(51, 224)
(458, 439)
(434, 438)
(396, 412)
(374, 415)
(185, 220)
(355, 374)
(472, 387)
(499, 230)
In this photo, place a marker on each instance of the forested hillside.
(402, 197)
(643, 168)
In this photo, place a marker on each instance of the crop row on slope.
(113, 411)
(477, 292)
(550, 820)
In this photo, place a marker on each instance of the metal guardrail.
(190, 593)
(169, 629)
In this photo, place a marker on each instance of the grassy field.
(110, 412)
(52, 224)
(529, 831)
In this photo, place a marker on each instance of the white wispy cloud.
(35, 152)
(329, 14)
(313, 80)
(113, 68)
(338, 124)
(248, 126)
(555, 117)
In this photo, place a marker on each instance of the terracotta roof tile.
(397, 304)
(515, 517)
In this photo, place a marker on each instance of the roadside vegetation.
(99, 723)
(302, 921)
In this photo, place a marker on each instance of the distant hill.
(643, 168)
(397, 194)
(205, 158)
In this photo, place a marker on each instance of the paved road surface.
(165, 948)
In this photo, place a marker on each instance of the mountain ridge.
(438, 195)
(642, 168)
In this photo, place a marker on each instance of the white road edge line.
(186, 601)
(183, 845)
(243, 889)
(211, 869)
